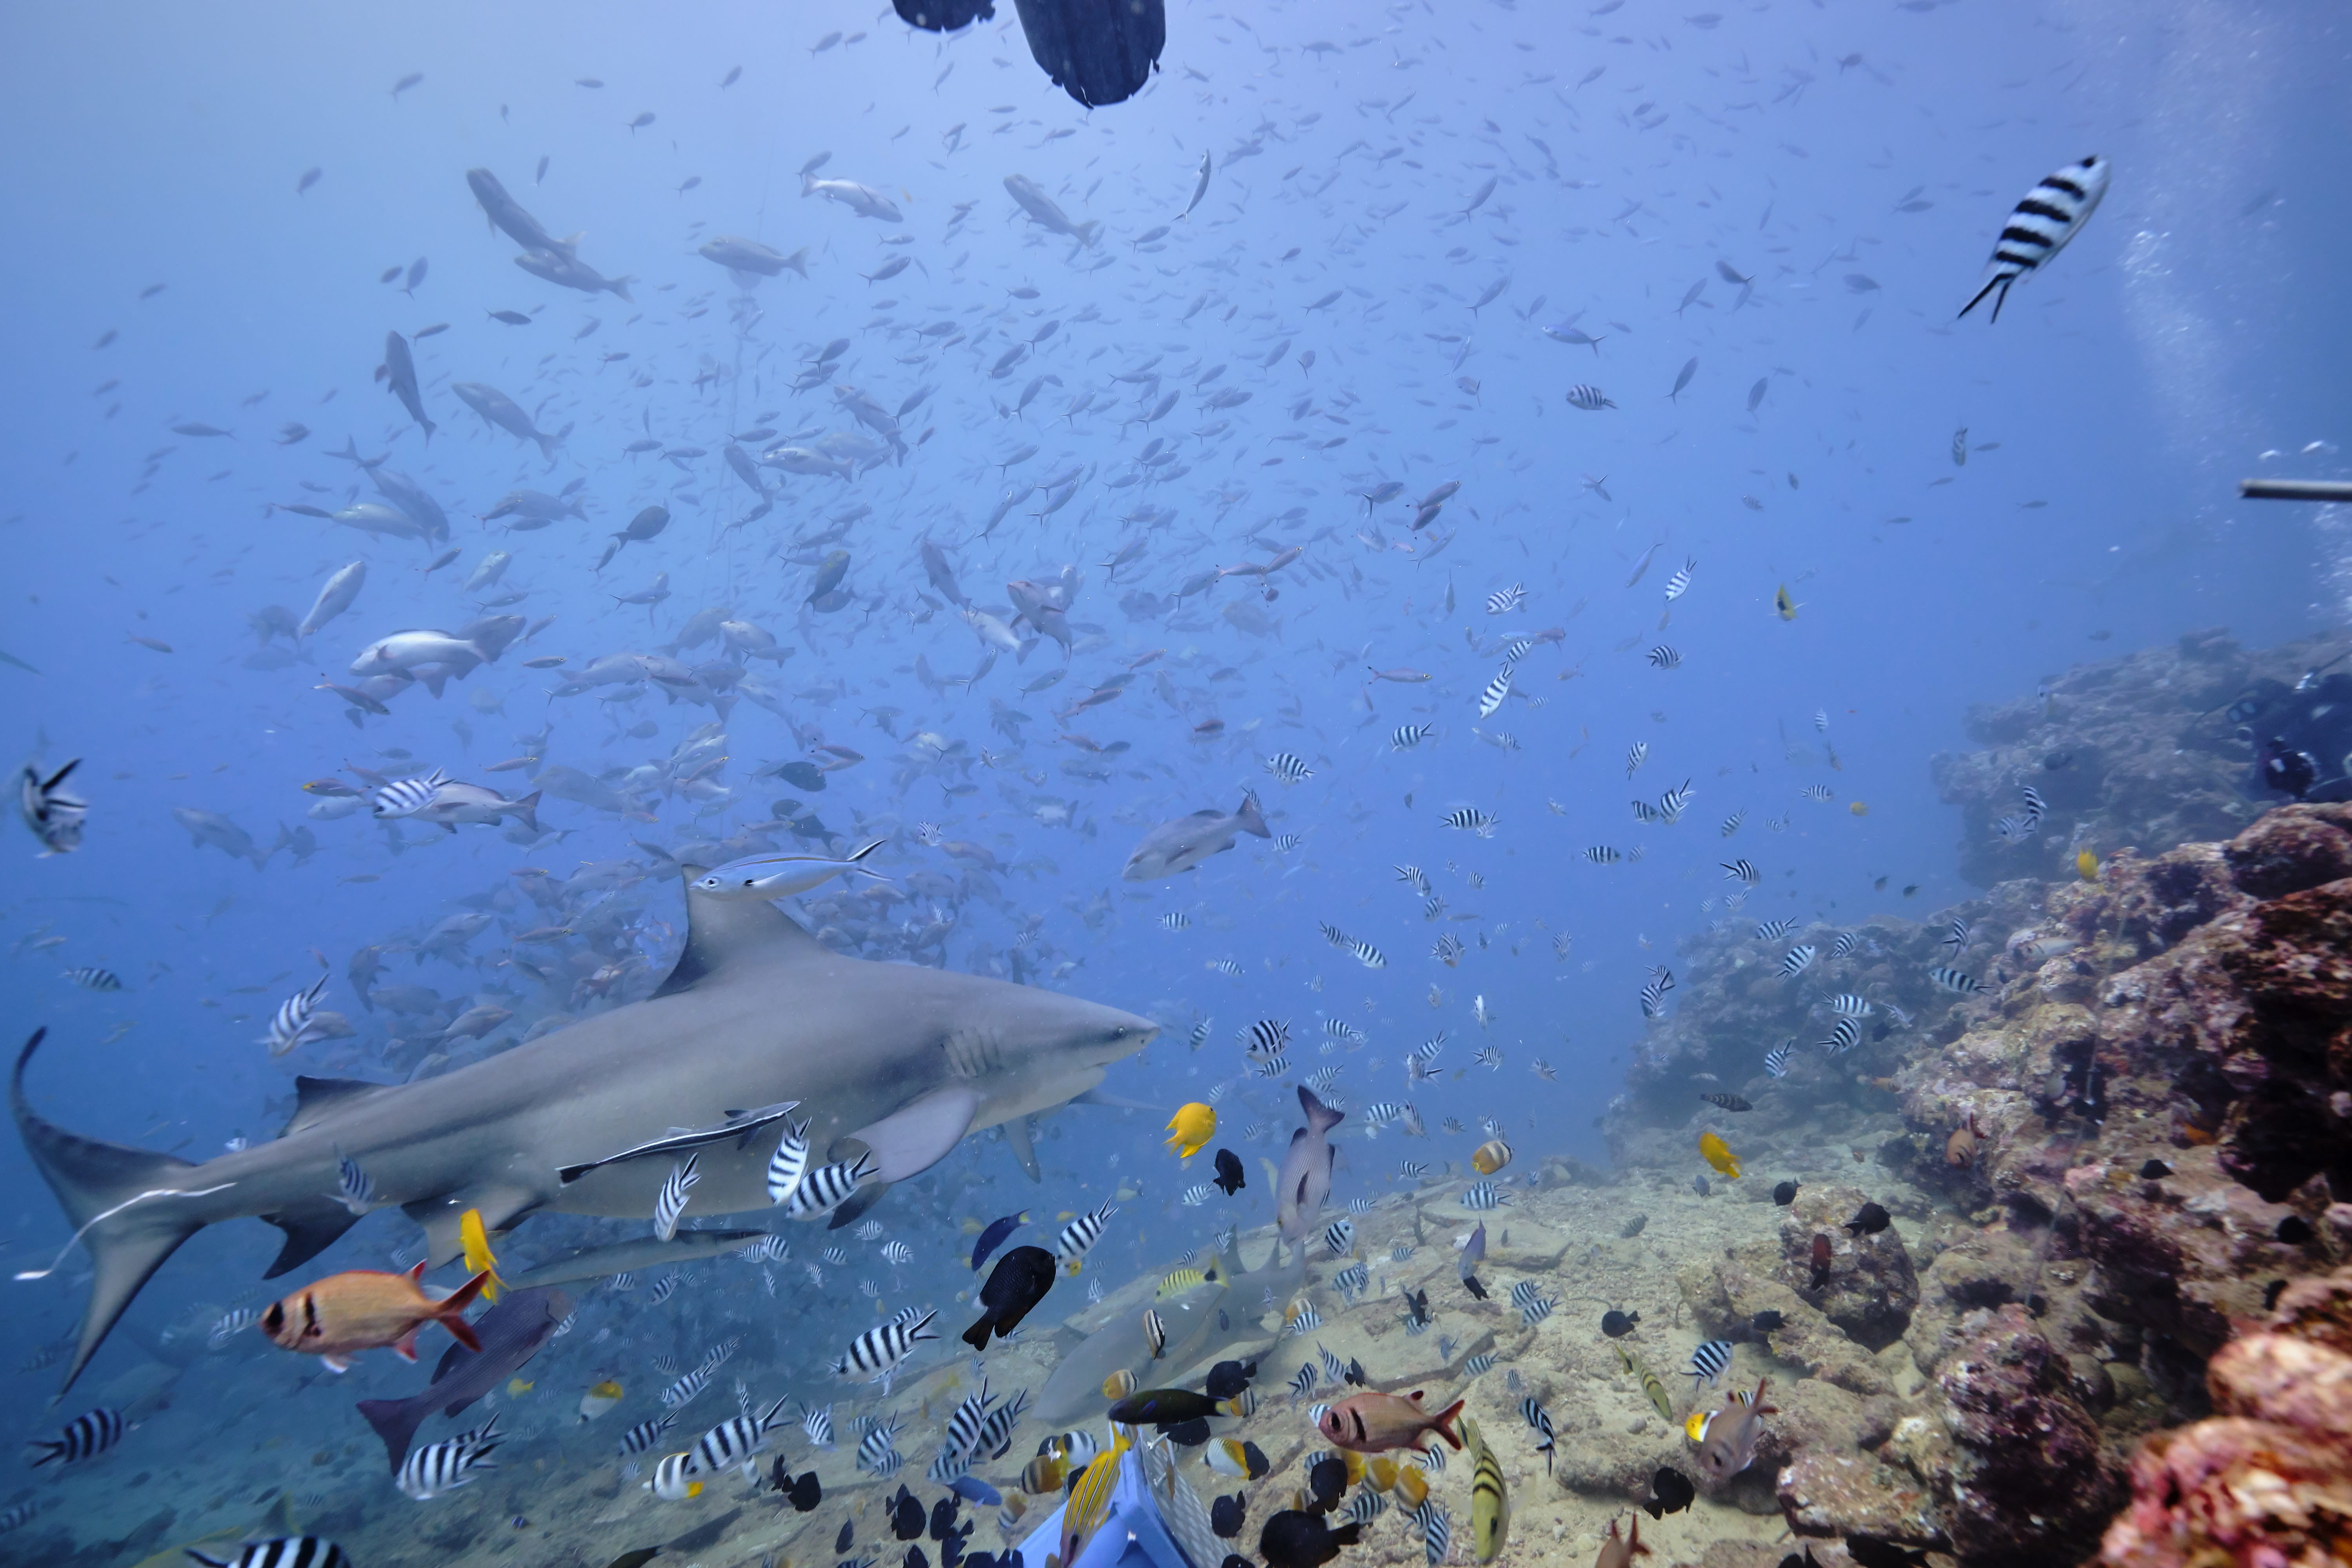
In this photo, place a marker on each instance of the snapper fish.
(779, 876)
(2038, 226)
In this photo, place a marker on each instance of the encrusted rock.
(1870, 1290)
(2031, 1482)
(2289, 849)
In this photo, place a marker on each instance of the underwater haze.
(1520, 471)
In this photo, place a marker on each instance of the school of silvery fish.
(826, 488)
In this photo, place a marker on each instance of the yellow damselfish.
(1717, 1152)
(478, 1256)
(1190, 1128)
(2086, 866)
(517, 1387)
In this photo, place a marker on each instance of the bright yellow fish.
(1784, 604)
(1717, 1152)
(517, 1387)
(1192, 1128)
(478, 1256)
(2086, 866)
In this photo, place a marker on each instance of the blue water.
(1854, 163)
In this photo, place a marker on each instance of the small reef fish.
(365, 1309)
(1373, 1423)
(1717, 1153)
(1190, 1128)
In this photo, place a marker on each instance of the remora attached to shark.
(896, 1060)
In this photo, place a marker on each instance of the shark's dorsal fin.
(315, 1099)
(723, 934)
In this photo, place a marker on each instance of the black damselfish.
(1229, 1171)
(1018, 1282)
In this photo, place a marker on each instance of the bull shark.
(897, 1061)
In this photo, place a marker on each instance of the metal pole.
(2296, 490)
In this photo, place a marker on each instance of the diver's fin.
(315, 1099)
(121, 1202)
(855, 1207)
(916, 1137)
(1024, 1149)
(310, 1228)
(727, 933)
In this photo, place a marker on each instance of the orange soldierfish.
(1374, 1423)
(365, 1309)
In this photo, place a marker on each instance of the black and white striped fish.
(1532, 1412)
(733, 1442)
(1846, 943)
(1672, 804)
(1175, 920)
(406, 797)
(1588, 397)
(2034, 808)
(817, 1425)
(1478, 1364)
(1679, 584)
(1306, 1320)
(1332, 933)
(1414, 877)
(1482, 1195)
(1844, 1035)
(283, 1551)
(1081, 1234)
(1603, 854)
(1364, 1508)
(1798, 959)
(1339, 1238)
(1351, 1281)
(1342, 1032)
(624, 1281)
(1771, 931)
(1303, 1380)
(1775, 1060)
(1504, 601)
(1846, 1004)
(1740, 871)
(2038, 227)
(827, 1188)
(1653, 997)
(663, 1288)
(645, 1434)
(964, 1424)
(231, 1323)
(789, 1163)
(1269, 1066)
(878, 1451)
(1405, 737)
(89, 977)
(1470, 819)
(1664, 657)
(1644, 813)
(85, 1437)
(291, 1024)
(1289, 767)
(1437, 1527)
(1635, 755)
(1731, 823)
(430, 1471)
(1956, 936)
(677, 1395)
(878, 1352)
(354, 1188)
(1497, 693)
(1966, 984)
(1709, 1361)
(1266, 1037)
(1368, 955)
(670, 1202)
(1818, 792)
(996, 1432)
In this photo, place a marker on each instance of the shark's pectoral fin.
(311, 1226)
(914, 1138)
(1115, 1101)
(858, 1201)
(1025, 1148)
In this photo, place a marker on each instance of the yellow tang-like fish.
(478, 1256)
(2086, 866)
(1717, 1152)
(1190, 1128)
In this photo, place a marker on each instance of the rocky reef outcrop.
(2112, 1316)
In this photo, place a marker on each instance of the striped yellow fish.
(478, 1257)
(1184, 1279)
(1658, 1396)
(1090, 1499)
(1490, 1499)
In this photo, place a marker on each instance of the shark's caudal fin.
(723, 934)
(128, 1206)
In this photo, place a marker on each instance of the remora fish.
(894, 1061)
(779, 876)
(643, 1254)
(511, 1333)
(1184, 843)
